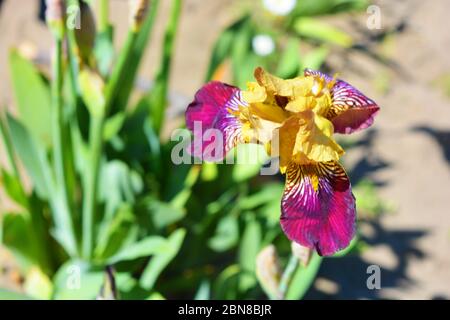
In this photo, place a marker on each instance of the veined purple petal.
(351, 110)
(211, 110)
(315, 73)
(318, 207)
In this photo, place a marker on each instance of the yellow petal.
(301, 104)
(306, 138)
(268, 112)
(273, 85)
(254, 93)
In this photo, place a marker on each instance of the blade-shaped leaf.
(160, 261)
(317, 30)
(33, 157)
(32, 97)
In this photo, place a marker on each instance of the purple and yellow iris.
(294, 119)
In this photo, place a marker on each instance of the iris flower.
(294, 119)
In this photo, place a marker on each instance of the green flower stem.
(116, 78)
(103, 16)
(96, 145)
(91, 185)
(139, 47)
(64, 215)
(287, 276)
(158, 96)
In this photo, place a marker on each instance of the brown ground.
(407, 152)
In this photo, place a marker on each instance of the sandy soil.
(407, 152)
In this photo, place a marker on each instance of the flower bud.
(55, 16)
(268, 270)
(302, 253)
(138, 12)
(85, 35)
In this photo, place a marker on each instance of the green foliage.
(103, 198)
(301, 40)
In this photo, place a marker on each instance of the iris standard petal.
(215, 107)
(318, 207)
(351, 110)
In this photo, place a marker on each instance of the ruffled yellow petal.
(306, 138)
(254, 93)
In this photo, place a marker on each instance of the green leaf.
(267, 194)
(32, 97)
(221, 51)
(158, 95)
(77, 280)
(17, 237)
(33, 157)
(13, 187)
(321, 7)
(226, 284)
(160, 261)
(250, 158)
(113, 125)
(317, 30)
(289, 65)
(37, 284)
(164, 214)
(138, 50)
(368, 202)
(118, 184)
(315, 59)
(104, 51)
(226, 235)
(303, 278)
(204, 291)
(151, 245)
(116, 232)
(11, 295)
(248, 250)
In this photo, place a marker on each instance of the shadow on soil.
(350, 273)
(442, 137)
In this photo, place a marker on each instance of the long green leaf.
(33, 157)
(32, 97)
(146, 247)
(158, 95)
(138, 50)
(317, 30)
(160, 261)
(303, 278)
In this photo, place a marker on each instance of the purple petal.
(315, 73)
(351, 110)
(211, 110)
(318, 207)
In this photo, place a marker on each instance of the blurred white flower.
(263, 44)
(280, 7)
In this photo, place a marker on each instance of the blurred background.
(400, 167)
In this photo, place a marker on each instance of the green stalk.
(91, 185)
(103, 16)
(128, 79)
(64, 216)
(117, 74)
(96, 144)
(287, 276)
(158, 96)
